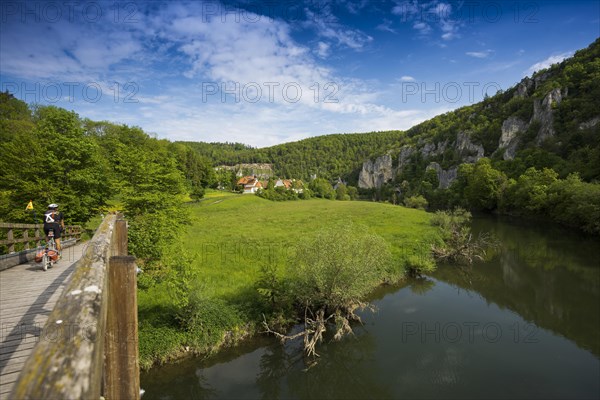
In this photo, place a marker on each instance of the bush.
(330, 275)
(459, 245)
(575, 203)
(418, 202)
(338, 267)
(417, 265)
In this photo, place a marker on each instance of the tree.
(53, 161)
(330, 275)
(341, 192)
(532, 188)
(484, 184)
(322, 188)
(352, 192)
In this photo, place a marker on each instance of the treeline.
(329, 156)
(51, 155)
(480, 186)
(319, 187)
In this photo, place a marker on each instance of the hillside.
(328, 156)
(548, 120)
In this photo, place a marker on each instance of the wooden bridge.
(71, 332)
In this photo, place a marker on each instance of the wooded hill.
(548, 120)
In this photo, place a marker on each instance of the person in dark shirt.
(54, 220)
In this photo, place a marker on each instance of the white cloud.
(323, 49)
(174, 49)
(479, 54)
(548, 62)
(422, 27)
(386, 26)
(65, 51)
(328, 27)
(429, 15)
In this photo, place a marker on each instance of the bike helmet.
(53, 205)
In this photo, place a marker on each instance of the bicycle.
(49, 255)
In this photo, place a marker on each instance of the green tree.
(323, 279)
(341, 192)
(353, 192)
(483, 185)
(322, 188)
(531, 190)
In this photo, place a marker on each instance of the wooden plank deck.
(27, 296)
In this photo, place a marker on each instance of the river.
(523, 324)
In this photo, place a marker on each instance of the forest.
(50, 154)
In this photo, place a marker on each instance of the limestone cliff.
(374, 174)
(509, 140)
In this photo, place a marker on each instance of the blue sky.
(263, 73)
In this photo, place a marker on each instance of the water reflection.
(525, 323)
(549, 276)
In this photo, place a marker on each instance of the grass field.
(232, 236)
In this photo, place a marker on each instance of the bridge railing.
(89, 345)
(19, 233)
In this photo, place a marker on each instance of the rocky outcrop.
(542, 112)
(445, 177)
(470, 152)
(405, 153)
(538, 79)
(374, 174)
(524, 87)
(433, 149)
(262, 171)
(509, 139)
(589, 124)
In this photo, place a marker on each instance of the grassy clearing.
(233, 236)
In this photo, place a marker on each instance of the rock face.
(509, 140)
(262, 171)
(470, 152)
(404, 156)
(375, 174)
(589, 124)
(445, 177)
(524, 87)
(434, 149)
(541, 78)
(542, 112)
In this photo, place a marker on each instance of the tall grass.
(233, 238)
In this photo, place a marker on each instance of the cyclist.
(53, 219)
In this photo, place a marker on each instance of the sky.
(264, 73)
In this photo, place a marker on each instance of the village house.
(284, 183)
(251, 184)
(293, 184)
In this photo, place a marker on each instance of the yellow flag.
(29, 206)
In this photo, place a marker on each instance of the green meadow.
(232, 237)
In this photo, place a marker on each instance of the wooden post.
(119, 242)
(9, 236)
(121, 368)
(38, 241)
(26, 236)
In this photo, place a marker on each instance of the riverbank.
(230, 242)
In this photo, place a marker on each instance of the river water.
(523, 324)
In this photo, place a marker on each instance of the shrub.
(459, 245)
(417, 265)
(330, 276)
(418, 202)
